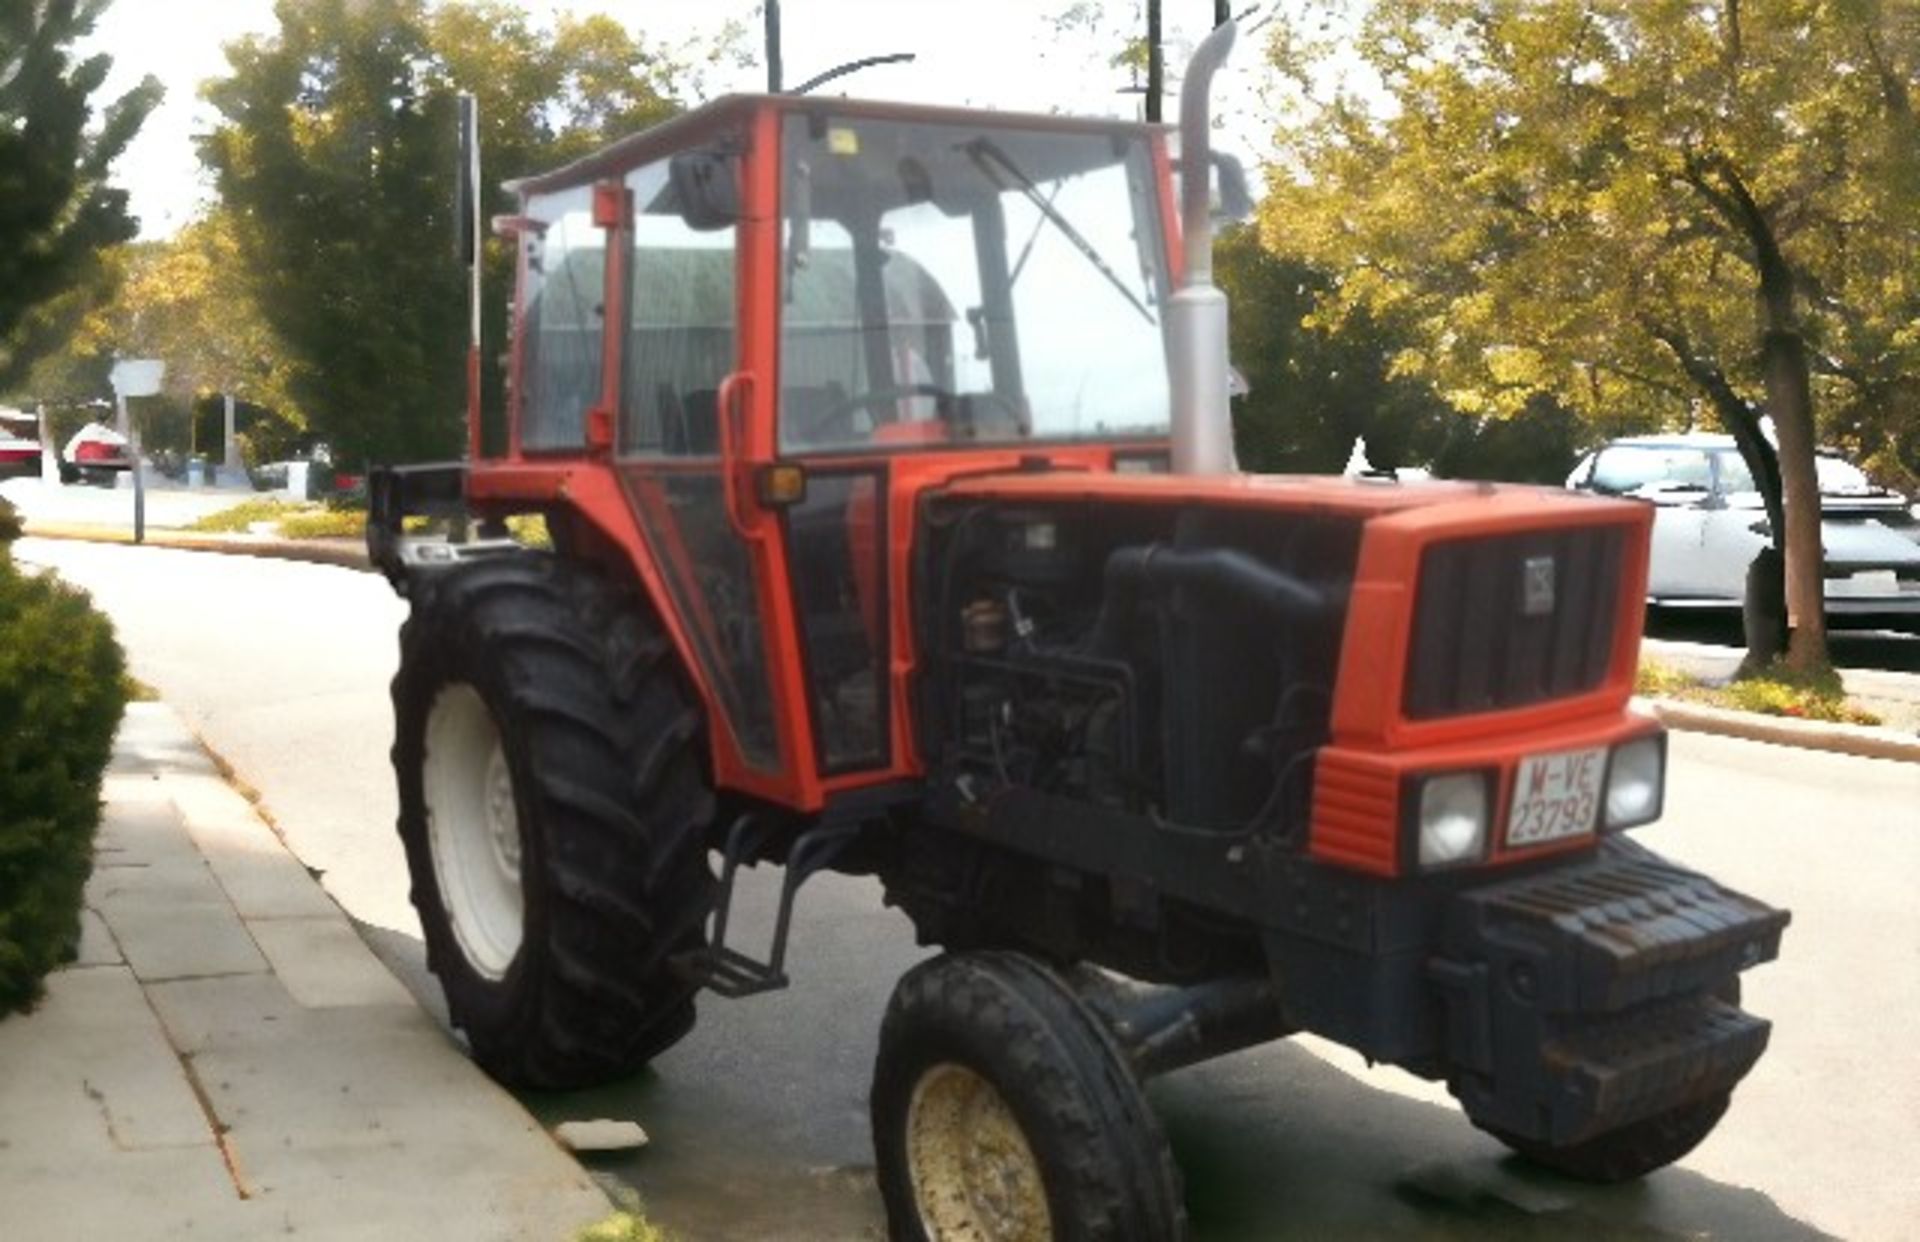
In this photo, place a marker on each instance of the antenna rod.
(773, 46)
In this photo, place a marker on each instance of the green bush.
(324, 524)
(239, 518)
(62, 689)
(9, 527)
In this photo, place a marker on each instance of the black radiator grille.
(1487, 635)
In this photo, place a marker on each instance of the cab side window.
(561, 331)
(680, 325)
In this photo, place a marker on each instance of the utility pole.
(1156, 66)
(773, 46)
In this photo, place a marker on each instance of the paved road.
(759, 1118)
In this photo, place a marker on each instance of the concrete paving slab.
(260, 877)
(173, 921)
(90, 1073)
(323, 964)
(152, 741)
(451, 1189)
(320, 1106)
(96, 942)
(142, 832)
(168, 913)
(166, 1193)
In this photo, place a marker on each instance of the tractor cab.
(770, 316)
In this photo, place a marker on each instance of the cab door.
(687, 396)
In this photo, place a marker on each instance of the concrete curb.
(1859, 740)
(349, 554)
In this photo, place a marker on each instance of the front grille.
(1486, 638)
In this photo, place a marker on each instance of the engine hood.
(1417, 503)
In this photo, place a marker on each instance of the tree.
(1635, 207)
(335, 156)
(1315, 386)
(57, 210)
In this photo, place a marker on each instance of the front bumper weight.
(1587, 997)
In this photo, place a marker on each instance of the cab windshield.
(966, 283)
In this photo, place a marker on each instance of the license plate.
(1866, 582)
(1555, 796)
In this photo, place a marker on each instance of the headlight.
(1636, 781)
(1453, 819)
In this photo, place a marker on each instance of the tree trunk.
(1790, 401)
(1763, 613)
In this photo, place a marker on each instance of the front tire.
(554, 814)
(1004, 1111)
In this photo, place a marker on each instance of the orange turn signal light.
(781, 485)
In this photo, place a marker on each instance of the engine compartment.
(1175, 662)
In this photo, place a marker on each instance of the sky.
(984, 53)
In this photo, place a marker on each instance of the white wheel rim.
(473, 830)
(973, 1172)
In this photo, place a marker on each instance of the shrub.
(62, 689)
(324, 524)
(240, 518)
(9, 527)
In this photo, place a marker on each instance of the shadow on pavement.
(1277, 1144)
(1863, 649)
(758, 1122)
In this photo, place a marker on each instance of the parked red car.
(96, 454)
(19, 445)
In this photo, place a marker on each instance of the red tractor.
(895, 530)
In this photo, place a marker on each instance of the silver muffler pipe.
(1197, 315)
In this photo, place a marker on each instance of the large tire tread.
(1110, 1174)
(603, 743)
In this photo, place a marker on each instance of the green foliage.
(1315, 387)
(57, 210)
(334, 158)
(9, 528)
(324, 524)
(623, 1226)
(1632, 207)
(239, 518)
(1777, 690)
(61, 695)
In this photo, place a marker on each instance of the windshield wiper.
(985, 153)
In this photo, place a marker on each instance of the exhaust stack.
(1197, 316)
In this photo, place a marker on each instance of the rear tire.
(1004, 1110)
(554, 814)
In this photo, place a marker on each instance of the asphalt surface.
(759, 1118)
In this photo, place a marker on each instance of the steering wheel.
(834, 425)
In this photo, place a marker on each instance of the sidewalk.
(228, 1060)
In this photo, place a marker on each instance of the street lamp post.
(136, 377)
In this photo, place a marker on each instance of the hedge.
(61, 695)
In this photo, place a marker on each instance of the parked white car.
(1710, 522)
